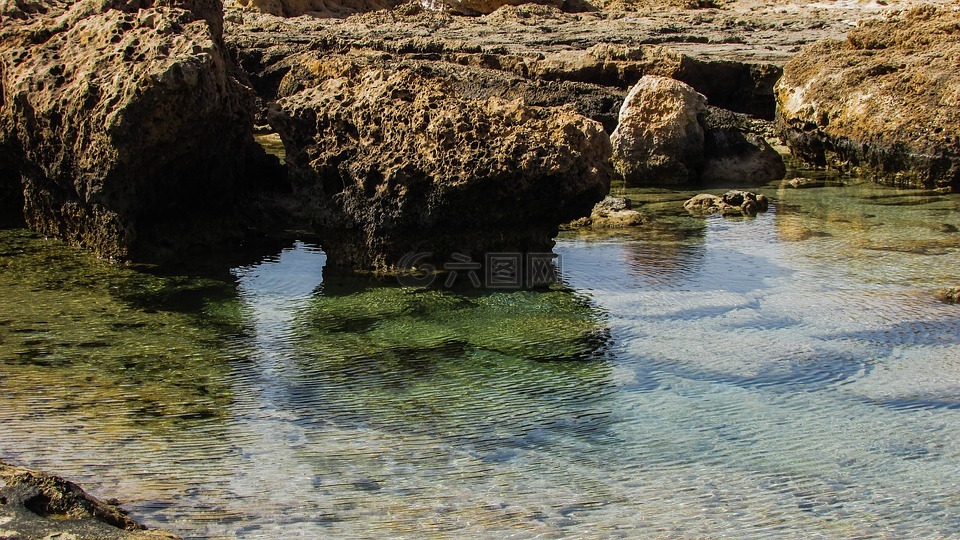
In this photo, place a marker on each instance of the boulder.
(734, 153)
(392, 157)
(34, 504)
(731, 203)
(883, 104)
(659, 140)
(127, 125)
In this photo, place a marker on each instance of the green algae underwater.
(753, 377)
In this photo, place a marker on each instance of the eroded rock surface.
(610, 213)
(737, 152)
(126, 124)
(731, 203)
(37, 505)
(884, 104)
(398, 156)
(659, 140)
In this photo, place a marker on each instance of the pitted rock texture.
(397, 156)
(737, 152)
(884, 104)
(34, 504)
(659, 140)
(731, 203)
(125, 122)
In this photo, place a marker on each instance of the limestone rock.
(884, 104)
(731, 203)
(610, 213)
(125, 122)
(659, 140)
(950, 295)
(399, 156)
(735, 155)
(39, 505)
(481, 7)
(318, 8)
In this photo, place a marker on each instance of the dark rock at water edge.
(140, 144)
(883, 104)
(393, 156)
(39, 505)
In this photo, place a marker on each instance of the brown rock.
(735, 155)
(610, 213)
(34, 504)
(659, 140)
(731, 203)
(126, 123)
(398, 156)
(884, 104)
(950, 295)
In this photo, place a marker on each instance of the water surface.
(785, 375)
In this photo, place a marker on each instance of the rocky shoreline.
(411, 127)
(35, 505)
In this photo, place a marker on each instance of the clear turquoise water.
(789, 375)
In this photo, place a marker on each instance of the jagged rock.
(481, 7)
(739, 86)
(610, 213)
(397, 156)
(735, 155)
(731, 203)
(126, 124)
(950, 295)
(39, 505)
(317, 8)
(883, 104)
(659, 140)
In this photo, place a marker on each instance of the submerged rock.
(731, 203)
(659, 140)
(884, 104)
(38, 505)
(127, 125)
(396, 157)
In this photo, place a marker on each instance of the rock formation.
(950, 295)
(39, 505)
(731, 203)
(736, 153)
(126, 124)
(883, 104)
(659, 140)
(610, 213)
(396, 156)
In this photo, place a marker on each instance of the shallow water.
(785, 375)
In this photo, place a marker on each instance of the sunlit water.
(789, 375)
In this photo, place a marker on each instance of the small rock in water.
(950, 295)
(802, 183)
(731, 203)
